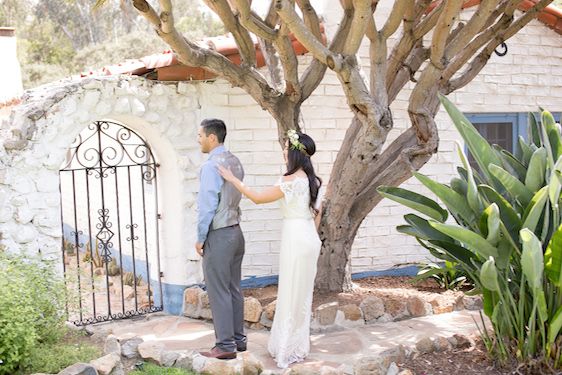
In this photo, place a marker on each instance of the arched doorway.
(109, 213)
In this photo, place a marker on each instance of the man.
(220, 241)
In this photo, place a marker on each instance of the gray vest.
(228, 210)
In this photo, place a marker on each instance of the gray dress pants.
(222, 268)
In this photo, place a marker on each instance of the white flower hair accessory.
(294, 140)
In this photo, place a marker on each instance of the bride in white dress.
(297, 191)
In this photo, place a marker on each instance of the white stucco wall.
(167, 116)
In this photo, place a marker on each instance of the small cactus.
(113, 268)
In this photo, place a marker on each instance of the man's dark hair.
(216, 127)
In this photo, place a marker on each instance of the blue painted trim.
(173, 297)
(259, 282)
(518, 121)
(263, 281)
(402, 271)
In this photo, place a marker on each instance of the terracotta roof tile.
(166, 67)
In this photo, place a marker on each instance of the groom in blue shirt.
(220, 241)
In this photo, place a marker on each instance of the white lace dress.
(300, 246)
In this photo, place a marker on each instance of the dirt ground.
(473, 360)
(390, 289)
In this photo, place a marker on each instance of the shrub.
(31, 308)
(507, 235)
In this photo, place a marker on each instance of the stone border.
(330, 316)
(131, 347)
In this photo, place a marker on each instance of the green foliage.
(31, 308)
(53, 357)
(449, 276)
(506, 234)
(152, 369)
(59, 38)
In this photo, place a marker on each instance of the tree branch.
(482, 58)
(441, 32)
(166, 16)
(311, 19)
(252, 22)
(146, 10)
(240, 34)
(395, 18)
(289, 62)
(361, 16)
(473, 27)
(305, 36)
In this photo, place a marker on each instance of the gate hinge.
(159, 216)
(161, 273)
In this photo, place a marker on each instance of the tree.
(434, 50)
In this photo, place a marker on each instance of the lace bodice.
(296, 203)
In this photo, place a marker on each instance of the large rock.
(472, 302)
(425, 345)
(441, 344)
(151, 351)
(265, 321)
(351, 312)
(79, 369)
(252, 309)
(106, 364)
(326, 314)
(396, 354)
(192, 302)
(270, 310)
(370, 365)
(418, 307)
(111, 345)
(129, 345)
(372, 308)
(155, 352)
(185, 361)
(217, 367)
(250, 364)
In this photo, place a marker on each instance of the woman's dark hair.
(300, 159)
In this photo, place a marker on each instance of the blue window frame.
(503, 129)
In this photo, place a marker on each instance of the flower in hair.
(294, 140)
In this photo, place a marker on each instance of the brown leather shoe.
(218, 354)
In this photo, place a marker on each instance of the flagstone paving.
(338, 349)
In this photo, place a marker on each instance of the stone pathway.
(339, 349)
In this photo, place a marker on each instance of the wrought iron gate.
(110, 246)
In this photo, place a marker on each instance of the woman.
(289, 341)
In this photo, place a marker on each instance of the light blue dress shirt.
(209, 191)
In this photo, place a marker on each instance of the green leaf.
(414, 201)
(554, 184)
(426, 231)
(473, 241)
(534, 130)
(535, 178)
(493, 220)
(455, 202)
(510, 163)
(535, 209)
(489, 276)
(526, 151)
(489, 302)
(459, 185)
(459, 253)
(507, 213)
(472, 193)
(515, 187)
(555, 325)
(553, 258)
(553, 134)
(532, 259)
(478, 146)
